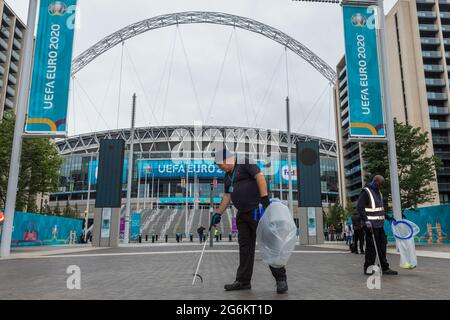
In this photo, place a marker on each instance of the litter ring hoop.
(410, 228)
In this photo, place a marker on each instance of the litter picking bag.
(276, 234)
(404, 232)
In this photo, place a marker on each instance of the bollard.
(220, 237)
(146, 238)
(191, 237)
(230, 237)
(153, 239)
(204, 238)
(140, 238)
(156, 238)
(177, 237)
(167, 238)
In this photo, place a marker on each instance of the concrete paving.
(164, 271)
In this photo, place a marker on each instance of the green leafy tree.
(39, 167)
(416, 170)
(335, 214)
(57, 210)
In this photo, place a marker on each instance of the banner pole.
(23, 94)
(390, 133)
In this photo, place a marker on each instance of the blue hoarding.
(47, 111)
(363, 75)
(31, 229)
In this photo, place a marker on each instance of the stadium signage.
(47, 110)
(366, 118)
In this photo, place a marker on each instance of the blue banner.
(31, 229)
(47, 111)
(363, 75)
(135, 226)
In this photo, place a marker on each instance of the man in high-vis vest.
(371, 209)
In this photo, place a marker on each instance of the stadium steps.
(152, 215)
(159, 221)
(168, 220)
(177, 225)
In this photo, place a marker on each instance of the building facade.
(12, 34)
(418, 45)
(159, 179)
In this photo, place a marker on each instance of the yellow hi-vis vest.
(376, 210)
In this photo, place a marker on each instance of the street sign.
(366, 119)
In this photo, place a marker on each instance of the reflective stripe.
(372, 202)
(375, 217)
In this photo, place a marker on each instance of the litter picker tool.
(200, 260)
(376, 251)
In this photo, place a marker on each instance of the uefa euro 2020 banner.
(47, 110)
(363, 74)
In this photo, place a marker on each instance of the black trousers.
(381, 240)
(358, 236)
(246, 225)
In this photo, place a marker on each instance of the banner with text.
(363, 75)
(47, 110)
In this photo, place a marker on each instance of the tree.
(39, 166)
(416, 170)
(335, 214)
(348, 210)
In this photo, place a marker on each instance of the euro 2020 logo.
(57, 8)
(60, 9)
(369, 21)
(358, 20)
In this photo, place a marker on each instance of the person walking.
(200, 231)
(348, 234)
(358, 234)
(246, 186)
(371, 210)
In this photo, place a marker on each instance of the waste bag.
(276, 234)
(404, 231)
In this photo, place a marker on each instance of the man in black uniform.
(358, 235)
(371, 210)
(246, 186)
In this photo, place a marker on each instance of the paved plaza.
(164, 271)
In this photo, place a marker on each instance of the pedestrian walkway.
(427, 251)
(165, 272)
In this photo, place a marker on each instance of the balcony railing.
(353, 193)
(435, 82)
(433, 68)
(352, 171)
(437, 96)
(444, 186)
(443, 1)
(427, 14)
(351, 160)
(19, 32)
(441, 140)
(15, 55)
(342, 72)
(428, 27)
(445, 15)
(343, 92)
(12, 79)
(438, 110)
(443, 155)
(433, 41)
(445, 171)
(342, 83)
(354, 181)
(9, 103)
(440, 125)
(445, 28)
(343, 102)
(14, 67)
(431, 54)
(3, 44)
(345, 111)
(425, 1)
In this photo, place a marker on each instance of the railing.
(431, 54)
(444, 186)
(351, 149)
(434, 41)
(4, 44)
(438, 110)
(427, 14)
(445, 28)
(443, 155)
(429, 27)
(343, 102)
(18, 32)
(445, 15)
(437, 96)
(443, 171)
(9, 103)
(354, 181)
(435, 82)
(351, 160)
(344, 112)
(342, 82)
(441, 140)
(352, 171)
(433, 68)
(440, 125)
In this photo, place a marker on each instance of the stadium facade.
(161, 173)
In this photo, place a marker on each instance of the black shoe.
(282, 286)
(390, 272)
(237, 286)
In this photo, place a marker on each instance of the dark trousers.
(246, 225)
(358, 237)
(381, 240)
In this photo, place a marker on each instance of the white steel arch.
(195, 17)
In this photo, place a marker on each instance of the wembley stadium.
(162, 190)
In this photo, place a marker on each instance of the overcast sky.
(252, 87)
